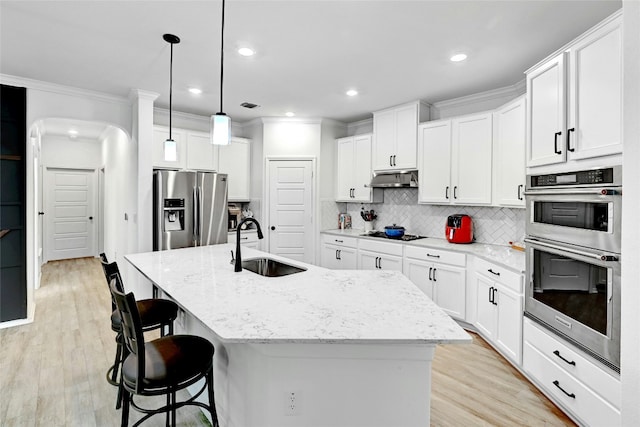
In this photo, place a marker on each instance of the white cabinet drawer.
(575, 364)
(381, 247)
(435, 255)
(575, 396)
(507, 277)
(333, 239)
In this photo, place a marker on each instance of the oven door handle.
(579, 191)
(592, 255)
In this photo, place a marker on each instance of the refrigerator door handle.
(195, 215)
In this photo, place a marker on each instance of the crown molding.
(364, 122)
(60, 89)
(299, 120)
(180, 114)
(135, 94)
(336, 123)
(513, 90)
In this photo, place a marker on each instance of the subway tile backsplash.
(492, 225)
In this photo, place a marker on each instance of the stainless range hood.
(395, 179)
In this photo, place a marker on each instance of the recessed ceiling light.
(245, 51)
(289, 114)
(195, 90)
(73, 132)
(459, 57)
(352, 92)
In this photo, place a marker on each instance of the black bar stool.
(162, 366)
(154, 314)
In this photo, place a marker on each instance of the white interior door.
(69, 198)
(290, 224)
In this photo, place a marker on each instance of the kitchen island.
(316, 348)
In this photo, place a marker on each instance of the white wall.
(117, 151)
(63, 152)
(630, 336)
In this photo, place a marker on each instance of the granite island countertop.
(315, 306)
(503, 255)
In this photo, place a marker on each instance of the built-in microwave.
(575, 292)
(581, 208)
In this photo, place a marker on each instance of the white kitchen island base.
(316, 348)
(337, 385)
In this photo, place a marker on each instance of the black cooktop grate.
(406, 237)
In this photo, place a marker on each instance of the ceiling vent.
(249, 105)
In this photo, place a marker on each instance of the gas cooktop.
(406, 237)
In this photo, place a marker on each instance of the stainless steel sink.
(270, 267)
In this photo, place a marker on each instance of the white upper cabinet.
(160, 135)
(396, 135)
(575, 98)
(353, 174)
(509, 154)
(434, 162)
(595, 94)
(472, 159)
(455, 158)
(235, 161)
(201, 154)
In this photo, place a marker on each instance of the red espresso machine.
(459, 229)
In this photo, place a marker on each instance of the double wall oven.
(573, 258)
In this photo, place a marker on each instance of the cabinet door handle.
(336, 254)
(455, 191)
(434, 274)
(557, 384)
(430, 268)
(394, 160)
(493, 272)
(390, 161)
(380, 263)
(446, 193)
(433, 256)
(339, 253)
(570, 362)
(555, 143)
(520, 191)
(339, 241)
(569, 139)
(493, 296)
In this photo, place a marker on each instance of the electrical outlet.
(292, 403)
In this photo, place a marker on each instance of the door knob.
(91, 218)
(273, 228)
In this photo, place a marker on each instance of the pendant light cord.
(170, 90)
(222, 55)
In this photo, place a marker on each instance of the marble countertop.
(315, 306)
(503, 255)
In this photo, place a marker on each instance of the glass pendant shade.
(220, 129)
(170, 151)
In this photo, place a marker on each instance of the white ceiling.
(308, 52)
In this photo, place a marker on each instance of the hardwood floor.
(52, 371)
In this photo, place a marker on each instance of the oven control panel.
(579, 178)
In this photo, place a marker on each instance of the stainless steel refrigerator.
(189, 209)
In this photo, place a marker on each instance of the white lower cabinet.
(590, 393)
(440, 275)
(499, 307)
(374, 255)
(339, 253)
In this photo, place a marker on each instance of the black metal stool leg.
(126, 398)
(212, 400)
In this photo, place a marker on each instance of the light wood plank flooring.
(52, 372)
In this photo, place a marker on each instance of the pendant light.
(220, 122)
(170, 148)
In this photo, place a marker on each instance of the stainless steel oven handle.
(569, 191)
(593, 255)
